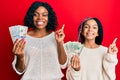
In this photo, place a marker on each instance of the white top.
(41, 59)
(95, 64)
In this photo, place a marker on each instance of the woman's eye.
(45, 14)
(35, 14)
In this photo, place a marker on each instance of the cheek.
(34, 18)
(97, 33)
(83, 33)
(46, 19)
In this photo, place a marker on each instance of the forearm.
(71, 74)
(109, 64)
(61, 53)
(20, 65)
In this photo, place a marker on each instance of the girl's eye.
(85, 26)
(94, 27)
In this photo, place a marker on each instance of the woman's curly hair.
(52, 18)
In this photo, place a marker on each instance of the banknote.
(73, 47)
(18, 32)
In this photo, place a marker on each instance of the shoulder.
(30, 32)
(103, 48)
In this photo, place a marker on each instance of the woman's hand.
(60, 35)
(75, 63)
(18, 48)
(113, 48)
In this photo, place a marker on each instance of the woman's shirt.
(41, 59)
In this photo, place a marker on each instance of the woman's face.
(90, 30)
(40, 17)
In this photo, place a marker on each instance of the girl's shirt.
(95, 64)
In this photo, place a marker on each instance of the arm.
(20, 65)
(59, 35)
(61, 53)
(110, 61)
(73, 71)
(18, 50)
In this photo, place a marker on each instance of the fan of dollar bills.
(18, 32)
(73, 47)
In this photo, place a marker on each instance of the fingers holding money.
(18, 48)
(75, 63)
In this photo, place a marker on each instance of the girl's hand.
(75, 63)
(18, 48)
(113, 48)
(59, 35)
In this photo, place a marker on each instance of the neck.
(39, 33)
(90, 44)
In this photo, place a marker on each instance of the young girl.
(38, 56)
(94, 61)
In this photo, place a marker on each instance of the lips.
(90, 34)
(40, 23)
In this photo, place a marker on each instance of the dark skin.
(18, 50)
(40, 20)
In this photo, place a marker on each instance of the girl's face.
(40, 17)
(90, 30)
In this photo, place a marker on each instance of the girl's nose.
(90, 28)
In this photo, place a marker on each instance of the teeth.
(90, 34)
(39, 23)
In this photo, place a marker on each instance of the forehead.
(41, 9)
(91, 21)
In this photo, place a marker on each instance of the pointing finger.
(63, 27)
(114, 41)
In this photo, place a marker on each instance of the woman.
(38, 56)
(94, 61)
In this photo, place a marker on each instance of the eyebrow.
(92, 25)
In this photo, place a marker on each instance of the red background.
(69, 12)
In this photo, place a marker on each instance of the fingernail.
(16, 40)
(24, 42)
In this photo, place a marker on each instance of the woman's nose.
(39, 17)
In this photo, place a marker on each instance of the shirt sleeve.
(64, 65)
(71, 74)
(13, 65)
(109, 63)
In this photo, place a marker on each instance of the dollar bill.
(18, 32)
(73, 47)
